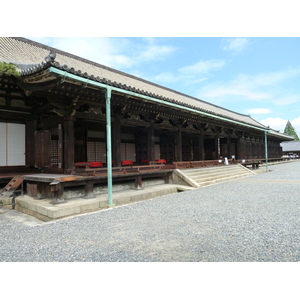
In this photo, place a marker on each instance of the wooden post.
(117, 142)
(151, 143)
(229, 147)
(60, 146)
(178, 149)
(217, 152)
(201, 146)
(138, 182)
(30, 144)
(68, 145)
(89, 190)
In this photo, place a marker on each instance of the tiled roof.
(31, 57)
(290, 146)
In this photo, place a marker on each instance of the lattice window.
(128, 151)
(54, 152)
(96, 151)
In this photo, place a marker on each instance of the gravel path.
(246, 220)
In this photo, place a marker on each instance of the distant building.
(291, 148)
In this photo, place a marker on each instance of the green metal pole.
(266, 149)
(108, 146)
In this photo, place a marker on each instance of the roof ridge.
(122, 73)
(208, 107)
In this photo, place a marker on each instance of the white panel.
(15, 144)
(2, 144)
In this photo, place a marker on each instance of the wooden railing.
(199, 164)
(84, 169)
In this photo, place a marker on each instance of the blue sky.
(252, 75)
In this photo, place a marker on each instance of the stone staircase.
(199, 177)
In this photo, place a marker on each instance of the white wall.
(12, 144)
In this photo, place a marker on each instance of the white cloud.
(191, 74)
(113, 52)
(258, 111)
(287, 100)
(266, 79)
(259, 87)
(279, 123)
(154, 52)
(167, 77)
(296, 123)
(203, 66)
(235, 44)
(275, 123)
(223, 92)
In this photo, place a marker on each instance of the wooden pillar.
(30, 144)
(217, 153)
(247, 148)
(151, 143)
(229, 147)
(201, 146)
(80, 142)
(238, 148)
(178, 149)
(117, 142)
(68, 145)
(60, 146)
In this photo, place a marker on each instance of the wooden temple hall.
(67, 115)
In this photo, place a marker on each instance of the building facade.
(64, 109)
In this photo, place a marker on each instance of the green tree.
(8, 69)
(290, 130)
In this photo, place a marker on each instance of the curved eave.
(42, 72)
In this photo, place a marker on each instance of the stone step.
(217, 176)
(223, 179)
(211, 169)
(223, 171)
(212, 175)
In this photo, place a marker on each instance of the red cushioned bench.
(90, 164)
(145, 161)
(126, 163)
(160, 161)
(87, 167)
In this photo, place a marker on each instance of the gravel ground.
(255, 219)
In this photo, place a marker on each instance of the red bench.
(126, 163)
(90, 164)
(160, 161)
(87, 168)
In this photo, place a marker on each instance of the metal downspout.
(108, 146)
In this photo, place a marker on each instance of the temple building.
(64, 111)
(54, 114)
